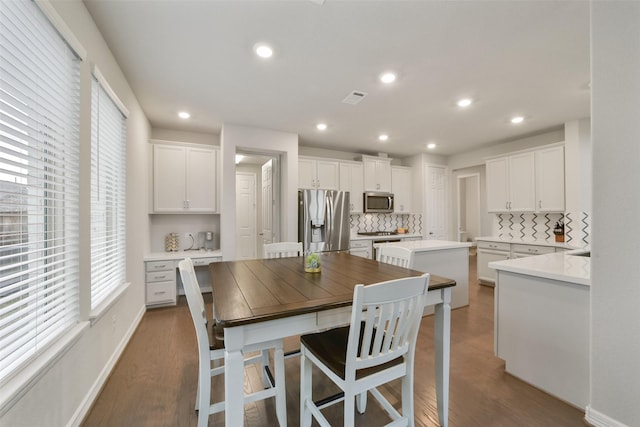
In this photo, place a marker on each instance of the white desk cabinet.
(184, 178)
(160, 278)
(322, 174)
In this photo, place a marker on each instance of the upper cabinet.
(401, 187)
(318, 173)
(351, 180)
(527, 182)
(377, 173)
(184, 178)
(550, 192)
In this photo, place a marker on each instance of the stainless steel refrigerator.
(323, 220)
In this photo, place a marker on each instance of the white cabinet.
(550, 180)
(511, 183)
(377, 174)
(361, 248)
(160, 279)
(489, 252)
(531, 181)
(184, 179)
(321, 174)
(351, 180)
(401, 187)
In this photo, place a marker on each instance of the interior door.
(246, 216)
(268, 202)
(436, 200)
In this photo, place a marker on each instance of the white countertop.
(560, 266)
(393, 236)
(428, 245)
(161, 256)
(528, 242)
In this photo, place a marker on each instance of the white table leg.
(233, 378)
(442, 350)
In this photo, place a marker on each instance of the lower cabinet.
(361, 248)
(160, 281)
(489, 252)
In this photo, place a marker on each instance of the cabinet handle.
(160, 292)
(506, 205)
(161, 265)
(539, 204)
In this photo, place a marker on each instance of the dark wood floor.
(154, 383)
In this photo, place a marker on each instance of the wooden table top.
(264, 289)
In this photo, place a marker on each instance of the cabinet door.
(370, 183)
(549, 164)
(201, 180)
(169, 178)
(401, 188)
(497, 185)
(522, 196)
(377, 174)
(351, 181)
(306, 173)
(327, 174)
(383, 173)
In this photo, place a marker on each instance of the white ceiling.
(527, 58)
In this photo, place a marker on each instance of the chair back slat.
(195, 301)
(395, 255)
(282, 249)
(385, 321)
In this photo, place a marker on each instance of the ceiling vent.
(354, 97)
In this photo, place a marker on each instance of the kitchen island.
(541, 326)
(444, 258)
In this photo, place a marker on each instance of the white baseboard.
(598, 419)
(85, 406)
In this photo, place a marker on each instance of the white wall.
(253, 139)
(615, 270)
(66, 387)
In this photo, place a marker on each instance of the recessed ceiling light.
(516, 120)
(464, 102)
(388, 77)
(263, 51)
(431, 145)
(184, 115)
(383, 137)
(321, 126)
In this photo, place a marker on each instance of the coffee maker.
(208, 240)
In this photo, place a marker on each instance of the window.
(108, 162)
(39, 143)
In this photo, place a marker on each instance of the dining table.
(260, 300)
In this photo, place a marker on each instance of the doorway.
(257, 202)
(468, 207)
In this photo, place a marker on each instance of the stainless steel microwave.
(378, 202)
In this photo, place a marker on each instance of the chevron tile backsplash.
(385, 222)
(532, 226)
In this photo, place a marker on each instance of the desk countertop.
(179, 255)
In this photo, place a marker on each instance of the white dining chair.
(395, 255)
(212, 350)
(377, 347)
(282, 249)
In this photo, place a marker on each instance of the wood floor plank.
(154, 382)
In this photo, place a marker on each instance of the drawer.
(499, 246)
(161, 276)
(365, 244)
(532, 249)
(159, 265)
(200, 262)
(161, 292)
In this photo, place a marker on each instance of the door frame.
(459, 179)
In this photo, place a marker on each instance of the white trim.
(50, 12)
(526, 150)
(106, 304)
(83, 409)
(598, 419)
(22, 381)
(107, 88)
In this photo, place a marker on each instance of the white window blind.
(39, 142)
(108, 178)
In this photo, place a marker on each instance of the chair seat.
(331, 348)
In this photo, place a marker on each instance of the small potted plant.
(558, 230)
(312, 262)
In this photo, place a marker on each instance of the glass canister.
(171, 242)
(312, 262)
